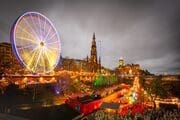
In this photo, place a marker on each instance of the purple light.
(57, 89)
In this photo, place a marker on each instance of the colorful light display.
(105, 80)
(35, 42)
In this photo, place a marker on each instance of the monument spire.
(93, 57)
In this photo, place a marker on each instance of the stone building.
(7, 58)
(90, 64)
(5, 54)
(8, 61)
(127, 70)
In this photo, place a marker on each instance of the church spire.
(93, 57)
(94, 36)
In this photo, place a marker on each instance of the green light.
(105, 80)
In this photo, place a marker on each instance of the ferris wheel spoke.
(31, 52)
(40, 29)
(34, 50)
(31, 59)
(50, 49)
(44, 68)
(34, 33)
(53, 49)
(47, 52)
(44, 26)
(30, 40)
(35, 26)
(27, 46)
(39, 55)
(47, 34)
(25, 31)
(48, 58)
(52, 42)
(53, 55)
(51, 37)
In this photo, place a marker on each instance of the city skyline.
(141, 32)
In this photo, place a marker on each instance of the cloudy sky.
(146, 32)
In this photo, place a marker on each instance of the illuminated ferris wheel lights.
(28, 39)
(36, 42)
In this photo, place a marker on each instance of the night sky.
(146, 32)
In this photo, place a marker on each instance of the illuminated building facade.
(121, 62)
(8, 59)
(128, 70)
(6, 55)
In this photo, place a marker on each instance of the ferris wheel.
(35, 42)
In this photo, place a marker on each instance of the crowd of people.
(162, 114)
(149, 114)
(155, 114)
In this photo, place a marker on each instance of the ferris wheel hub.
(41, 43)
